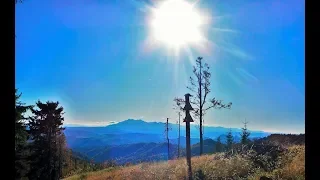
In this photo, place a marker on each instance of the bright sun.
(176, 23)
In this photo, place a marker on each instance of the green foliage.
(45, 155)
(83, 176)
(76, 163)
(199, 175)
(263, 155)
(45, 131)
(245, 135)
(229, 140)
(21, 136)
(290, 165)
(219, 146)
(285, 139)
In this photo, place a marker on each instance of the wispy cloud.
(248, 76)
(233, 50)
(236, 52)
(242, 77)
(224, 30)
(235, 78)
(89, 123)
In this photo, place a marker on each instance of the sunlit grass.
(214, 166)
(211, 166)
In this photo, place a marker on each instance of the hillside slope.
(133, 153)
(284, 139)
(217, 166)
(142, 152)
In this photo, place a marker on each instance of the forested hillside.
(41, 150)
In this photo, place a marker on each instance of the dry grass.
(207, 166)
(292, 166)
(294, 161)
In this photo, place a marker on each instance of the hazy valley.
(136, 140)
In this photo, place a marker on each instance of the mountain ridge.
(140, 121)
(133, 131)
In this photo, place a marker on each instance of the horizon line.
(114, 122)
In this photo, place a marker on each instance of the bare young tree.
(178, 109)
(200, 89)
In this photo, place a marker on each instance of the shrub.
(199, 175)
(83, 176)
(252, 163)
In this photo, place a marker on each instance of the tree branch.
(179, 102)
(217, 104)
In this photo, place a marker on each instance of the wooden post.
(187, 108)
(188, 150)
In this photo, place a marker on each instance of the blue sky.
(92, 57)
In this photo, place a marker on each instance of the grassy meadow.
(289, 164)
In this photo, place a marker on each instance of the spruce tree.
(45, 130)
(229, 140)
(21, 136)
(245, 134)
(219, 145)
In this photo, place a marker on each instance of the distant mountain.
(133, 153)
(138, 131)
(93, 141)
(136, 140)
(142, 152)
(140, 126)
(146, 152)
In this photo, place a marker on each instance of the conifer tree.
(20, 124)
(21, 136)
(219, 145)
(45, 129)
(245, 134)
(229, 140)
(62, 153)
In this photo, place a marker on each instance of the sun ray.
(176, 23)
(191, 57)
(224, 30)
(175, 73)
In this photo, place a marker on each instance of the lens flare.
(177, 23)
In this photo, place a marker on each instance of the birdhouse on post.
(187, 108)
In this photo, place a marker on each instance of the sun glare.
(176, 23)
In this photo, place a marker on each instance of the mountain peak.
(132, 121)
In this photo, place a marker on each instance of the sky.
(93, 57)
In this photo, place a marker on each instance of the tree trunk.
(200, 94)
(49, 156)
(201, 137)
(60, 158)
